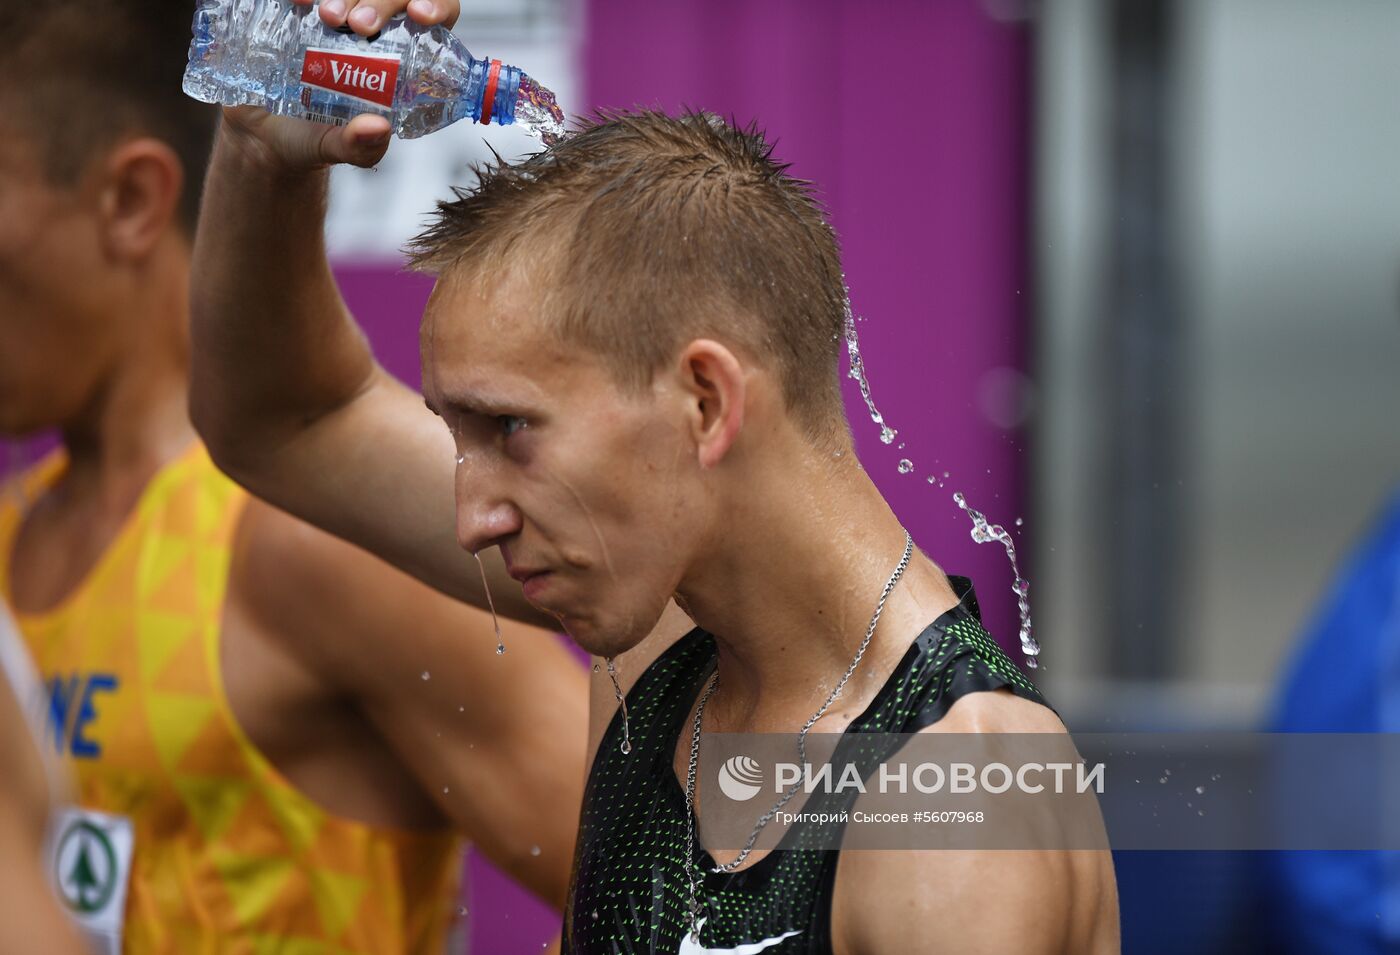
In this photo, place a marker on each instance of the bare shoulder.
(982, 901)
(997, 711)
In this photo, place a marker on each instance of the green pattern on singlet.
(630, 886)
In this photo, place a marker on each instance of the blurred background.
(1126, 271)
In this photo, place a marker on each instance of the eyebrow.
(473, 403)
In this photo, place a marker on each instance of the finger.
(431, 12)
(362, 142)
(367, 16)
(333, 12)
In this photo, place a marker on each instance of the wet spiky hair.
(659, 230)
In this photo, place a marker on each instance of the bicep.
(495, 740)
(949, 902)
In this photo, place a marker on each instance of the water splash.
(537, 112)
(982, 533)
(495, 622)
(626, 746)
(857, 373)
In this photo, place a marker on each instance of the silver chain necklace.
(692, 870)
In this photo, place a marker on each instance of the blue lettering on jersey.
(72, 708)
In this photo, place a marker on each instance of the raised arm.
(285, 390)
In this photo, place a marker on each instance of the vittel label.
(365, 76)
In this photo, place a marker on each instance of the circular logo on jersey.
(86, 867)
(740, 778)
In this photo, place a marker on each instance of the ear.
(138, 195)
(714, 383)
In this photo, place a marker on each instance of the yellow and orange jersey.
(185, 839)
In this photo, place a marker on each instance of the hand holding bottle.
(299, 144)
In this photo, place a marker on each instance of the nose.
(484, 517)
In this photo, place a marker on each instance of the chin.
(606, 638)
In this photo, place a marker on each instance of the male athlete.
(633, 344)
(280, 739)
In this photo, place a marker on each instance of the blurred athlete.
(277, 741)
(31, 919)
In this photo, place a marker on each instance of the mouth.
(531, 579)
(533, 584)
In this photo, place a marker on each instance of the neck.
(137, 419)
(790, 593)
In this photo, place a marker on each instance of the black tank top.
(630, 888)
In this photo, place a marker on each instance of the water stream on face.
(626, 746)
(982, 531)
(500, 644)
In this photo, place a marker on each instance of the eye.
(510, 424)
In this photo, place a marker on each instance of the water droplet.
(427, 675)
(887, 434)
(500, 644)
(1162, 780)
(1215, 777)
(1200, 812)
(1200, 790)
(534, 850)
(1019, 522)
(461, 709)
(1167, 772)
(461, 457)
(626, 746)
(945, 474)
(462, 911)
(901, 445)
(932, 479)
(905, 466)
(444, 790)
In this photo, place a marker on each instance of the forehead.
(489, 336)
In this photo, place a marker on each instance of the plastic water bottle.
(283, 58)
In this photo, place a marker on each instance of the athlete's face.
(593, 493)
(52, 289)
